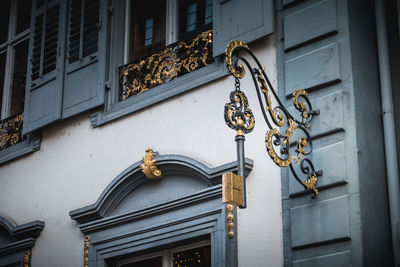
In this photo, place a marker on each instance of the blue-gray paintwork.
(240, 20)
(43, 97)
(310, 23)
(315, 68)
(30, 144)
(84, 80)
(21, 238)
(342, 259)
(70, 88)
(185, 206)
(347, 135)
(321, 221)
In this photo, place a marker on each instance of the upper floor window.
(14, 43)
(152, 26)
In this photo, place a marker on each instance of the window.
(14, 44)
(140, 222)
(17, 241)
(155, 53)
(193, 255)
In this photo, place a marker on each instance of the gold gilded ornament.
(230, 217)
(268, 139)
(86, 251)
(310, 184)
(149, 167)
(228, 56)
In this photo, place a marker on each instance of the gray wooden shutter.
(43, 96)
(240, 20)
(84, 64)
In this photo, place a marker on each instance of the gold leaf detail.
(228, 57)
(149, 167)
(310, 184)
(280, 162)
(11, 131)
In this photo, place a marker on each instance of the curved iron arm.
(281, 123)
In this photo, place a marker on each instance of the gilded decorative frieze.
(173, 61)
(11, 131)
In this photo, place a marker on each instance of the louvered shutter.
(241, 20)
(43, 96)
(84, 65)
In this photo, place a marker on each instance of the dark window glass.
(199, 257)
(154, 262)
(147, 31)
(2, 71)
(39, 3)
(194, 15)
(4, 20)
(208, 12)
(24, 15)
(19, 78)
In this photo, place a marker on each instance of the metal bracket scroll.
(282, 125)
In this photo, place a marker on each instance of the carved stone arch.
(134, 214)
(17, 241)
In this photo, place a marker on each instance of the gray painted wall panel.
(333, 260)
(309, 23)
(318, 222)
(312, 69)
(332, 160)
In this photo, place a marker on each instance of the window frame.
(116, 233)
(8, 47)
(32, 140)
(113, 108)
(166, 254)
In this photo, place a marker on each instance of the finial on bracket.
(149, 166)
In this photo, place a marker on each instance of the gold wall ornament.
(149, 167)
(271, 151)
(311, 182)
(232, 189)
(86, 251)
(230, 217)
(173, 61)
(302, 106)
(27, 257)
(238, 72)
(277, 118)
(11, 131)
(238, 115)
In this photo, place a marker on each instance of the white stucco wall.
(76, 162)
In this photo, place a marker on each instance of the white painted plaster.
(76, 162)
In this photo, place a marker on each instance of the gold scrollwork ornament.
(149, 166)
(271, 152)
(228, 56)
(311, 183)
(301, 106)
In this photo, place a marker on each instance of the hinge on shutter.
(110, 10)
(107, 85)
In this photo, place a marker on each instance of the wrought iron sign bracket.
(282, 125)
